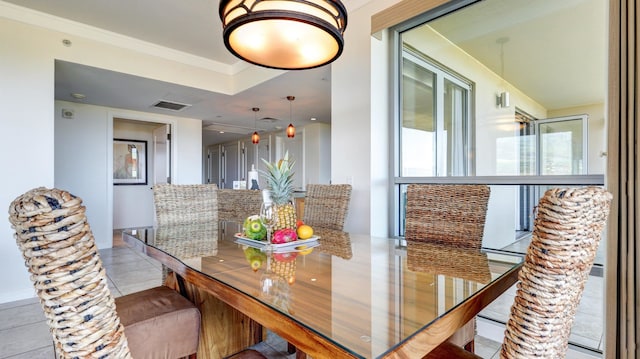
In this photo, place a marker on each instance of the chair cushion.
(159, 323)
(448, 350)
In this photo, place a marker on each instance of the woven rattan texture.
(188, 241)
(334, 242)
(238, 204)
(326, 205)
(445, 260)
(185, 204)
(59, 250)
(567, 231)
(447, 214)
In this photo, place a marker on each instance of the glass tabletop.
(365, 294)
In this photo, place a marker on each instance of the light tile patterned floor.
(24, 333)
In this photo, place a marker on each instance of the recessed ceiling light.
(78, 96)
(313, 119)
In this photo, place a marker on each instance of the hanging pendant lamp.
(284, 34)
(255, 138)
(291, 131)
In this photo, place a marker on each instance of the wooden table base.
(224, 330)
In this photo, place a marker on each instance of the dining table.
(335, 295)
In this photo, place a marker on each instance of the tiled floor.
(24, 333)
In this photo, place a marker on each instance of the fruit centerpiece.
(279, 180)
(254, 229)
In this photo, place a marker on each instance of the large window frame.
(398, 181)
(395, 118)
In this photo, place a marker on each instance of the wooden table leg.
(224, 330)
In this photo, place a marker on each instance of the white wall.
(27, 58)
(317, 153)
(360, 122)
(83, 163)
(26, 139)
(80, 167)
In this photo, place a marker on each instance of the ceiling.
(553, 51)
(575, 75)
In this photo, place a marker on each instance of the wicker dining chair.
(85, 320)
(447, 214)
(567, 231)
(466, 264)
(52, 232)
(237, 204)
(334, 242)
(185, 204)
(326, 205)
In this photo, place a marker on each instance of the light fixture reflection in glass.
(255, 138)
(284, 34)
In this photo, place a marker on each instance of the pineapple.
(279, 179)
(285, 267)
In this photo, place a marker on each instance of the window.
(453, 64)
(435, 119)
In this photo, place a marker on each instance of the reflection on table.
(353, 295)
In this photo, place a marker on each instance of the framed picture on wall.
(129, 162)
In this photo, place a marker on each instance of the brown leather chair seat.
(159, 323)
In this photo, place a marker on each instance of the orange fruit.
(304, 232)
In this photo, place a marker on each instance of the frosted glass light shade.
(284, 34)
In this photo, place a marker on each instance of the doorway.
(133, 203)
(548, 147)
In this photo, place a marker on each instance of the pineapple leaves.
(279, 178)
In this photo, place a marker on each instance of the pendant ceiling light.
(255, 138)
(291, 131)
(284, 34)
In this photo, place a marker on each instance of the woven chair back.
(59, 250)
(437, 259)
(335, 242)
(567, 231)
(237, 204)
(185, 242)
(327, 205)
(446, 214)
(185, 204)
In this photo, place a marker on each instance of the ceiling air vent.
(168, 105)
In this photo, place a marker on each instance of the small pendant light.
(255, 138)
(291, 131)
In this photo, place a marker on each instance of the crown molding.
(50, 22)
